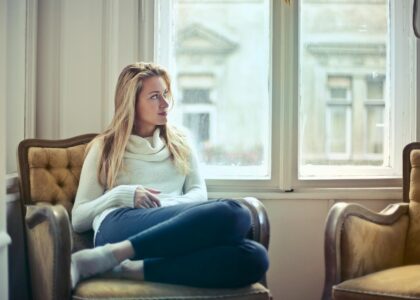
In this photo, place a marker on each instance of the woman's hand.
(146, 198)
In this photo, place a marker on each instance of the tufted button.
(60, 183)
(48, 167)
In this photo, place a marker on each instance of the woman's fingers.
(145, 198)
(154, 199)
(153, 191)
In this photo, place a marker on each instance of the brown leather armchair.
(376, 255)
(49, 172)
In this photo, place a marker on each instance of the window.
(221, 81)
(274, 95)
(354, 65)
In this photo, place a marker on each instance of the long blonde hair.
(114, 139)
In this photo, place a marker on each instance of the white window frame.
(284, 108)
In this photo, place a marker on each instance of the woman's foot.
(89, 262)
(128, 269)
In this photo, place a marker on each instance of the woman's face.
(152, 106)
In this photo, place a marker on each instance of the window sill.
(394, 193)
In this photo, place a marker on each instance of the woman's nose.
(164, 102)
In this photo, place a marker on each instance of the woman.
(141, 192)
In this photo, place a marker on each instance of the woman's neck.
(144, 132)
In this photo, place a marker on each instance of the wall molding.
(146, 25)
(110, 29)
(48, 72)
(30, 68)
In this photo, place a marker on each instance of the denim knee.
(234, 217)
(255, 261)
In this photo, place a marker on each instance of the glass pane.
(221, 80)
(339, 70)
(199, 126)
(337, 130)
(375, 88)
(196, 95)
(375, 129)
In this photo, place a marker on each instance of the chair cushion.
(108, 288)
(54, 174)
(396, 283)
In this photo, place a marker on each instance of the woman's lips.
(163, 114)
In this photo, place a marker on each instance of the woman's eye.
(154, 97)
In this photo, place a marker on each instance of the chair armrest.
(359, 241)
(260, 231)
(48, 236)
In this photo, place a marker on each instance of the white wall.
(82, 46)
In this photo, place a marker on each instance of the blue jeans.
(198, 244)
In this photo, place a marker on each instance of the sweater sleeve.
(91, 198)
(194, 188)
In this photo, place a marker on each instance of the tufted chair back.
(411, 194)
(49, 172)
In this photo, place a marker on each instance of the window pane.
(343, 74)
(199, 126)
(375, 132)
(220, 79)
(338, 131)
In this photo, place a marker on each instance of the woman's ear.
(416, 18)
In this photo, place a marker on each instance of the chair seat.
(109, 288)
(396, 283)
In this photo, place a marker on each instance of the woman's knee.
(232, 214)
(255, 259)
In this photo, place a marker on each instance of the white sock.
(129, 269)
(89, 262)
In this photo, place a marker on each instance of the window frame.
(283, 90)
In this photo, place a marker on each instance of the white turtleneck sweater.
(146, 163)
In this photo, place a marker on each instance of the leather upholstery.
(396, 283)
(54, 174)
(49, 173)
(368, 247)
(413, 240)
(110, 288)
(376, 255)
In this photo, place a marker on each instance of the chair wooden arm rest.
(260, 225)
(48, 235)
(359, 241)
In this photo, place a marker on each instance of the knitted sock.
(89, 262)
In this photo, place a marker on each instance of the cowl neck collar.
(150, 149)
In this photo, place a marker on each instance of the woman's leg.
(226, 266)
(162, 232)
(177, 230)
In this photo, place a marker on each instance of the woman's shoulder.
(95, 146)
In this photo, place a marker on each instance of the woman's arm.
(91, 199)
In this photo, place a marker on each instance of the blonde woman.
(141, 192)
